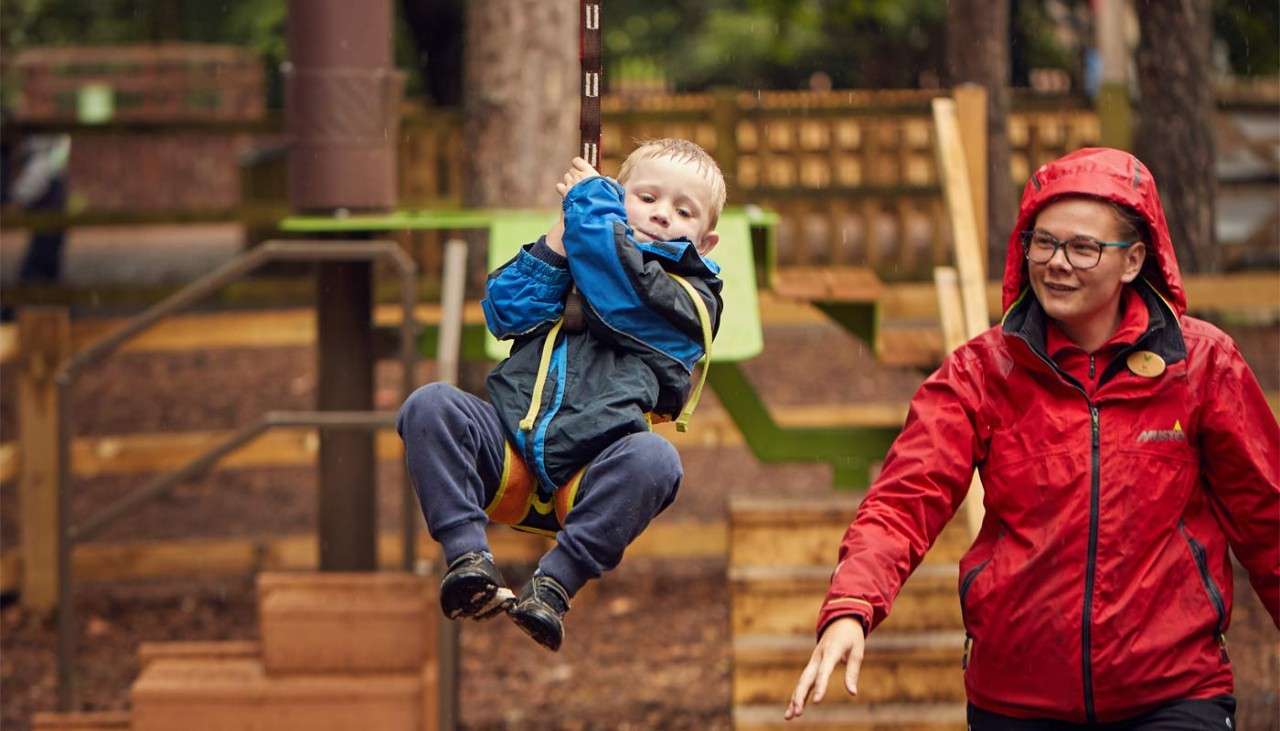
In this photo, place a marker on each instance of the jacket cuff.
(543, 253)
(841, 607)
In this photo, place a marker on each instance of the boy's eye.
(684, 213)
(646, 197)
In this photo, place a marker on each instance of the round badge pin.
(1145, 363)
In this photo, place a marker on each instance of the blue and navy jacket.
(631, 362)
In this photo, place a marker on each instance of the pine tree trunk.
(520, 108)
(519, 115)
(1174, 135)
(978, 52)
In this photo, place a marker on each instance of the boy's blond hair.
(674, 148)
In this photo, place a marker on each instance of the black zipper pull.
(1092, 365)
(1222, 647)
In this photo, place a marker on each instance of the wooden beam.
(971, 107)
(964, 233)
(952, 338)
(46, 342)
(10, 462)
(243, 556)
(950, 309)
(8, 342)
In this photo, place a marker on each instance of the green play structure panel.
(739, 337)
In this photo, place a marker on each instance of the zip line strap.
(591, 57)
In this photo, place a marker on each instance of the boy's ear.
(709, 241)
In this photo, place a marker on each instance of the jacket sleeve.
(925, 478)
(527, 293)
(640, 307)
(1239, 442)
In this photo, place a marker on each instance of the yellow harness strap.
(544, 365)
(682, 421)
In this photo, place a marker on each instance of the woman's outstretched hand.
(842, 641)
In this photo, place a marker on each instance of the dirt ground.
(615, 671)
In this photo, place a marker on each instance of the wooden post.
(969, 260)
(953, 336)
(45, 337)
(955, 185)
(971, 105)
(726, 122)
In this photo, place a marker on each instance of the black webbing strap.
(591, 57)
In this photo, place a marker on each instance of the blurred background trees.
(677, 44)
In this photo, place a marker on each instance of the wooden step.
(883, 717)
(149, 652)
(770, 600)
(90, 721)
(899, 667)
(807, 532)
(346, 622)
(232, 694)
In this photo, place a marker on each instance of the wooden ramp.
(781, 554)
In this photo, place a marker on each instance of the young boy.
(564, 445)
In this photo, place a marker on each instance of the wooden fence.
(852, 173)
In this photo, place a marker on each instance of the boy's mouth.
(648, 235)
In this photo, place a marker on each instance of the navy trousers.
(454, 449)
(1212, 714)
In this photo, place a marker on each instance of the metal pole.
(448, 354)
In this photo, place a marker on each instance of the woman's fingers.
(829, 660)
(852, 668)
(804, 685)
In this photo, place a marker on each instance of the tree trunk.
(520, 108)
(519, 113)
(978, 52)
(1174, 135)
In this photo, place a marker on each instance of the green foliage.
(1250, 31)
(779, 43)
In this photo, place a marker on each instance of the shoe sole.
(535, 624)
(468, 595)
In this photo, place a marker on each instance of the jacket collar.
(1027, 323)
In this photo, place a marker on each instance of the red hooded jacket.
(1099, 585)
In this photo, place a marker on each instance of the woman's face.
(1080, 297)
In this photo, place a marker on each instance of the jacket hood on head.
(1112, 175)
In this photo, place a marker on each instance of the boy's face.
(670, 199)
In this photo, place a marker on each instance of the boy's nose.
(659, 216)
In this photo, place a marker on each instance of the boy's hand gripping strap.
(544, 365)
(682, 421)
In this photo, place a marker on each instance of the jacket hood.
(1112, 175)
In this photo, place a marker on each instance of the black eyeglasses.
(1083, 252)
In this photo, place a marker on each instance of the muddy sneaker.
(472, 587)
(540, 610)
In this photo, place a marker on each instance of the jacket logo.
(1164, 435)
